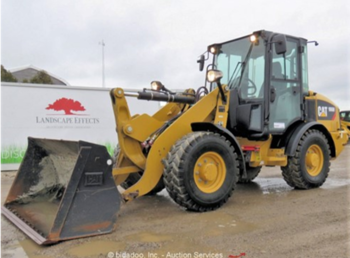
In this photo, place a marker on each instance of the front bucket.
(63, 190)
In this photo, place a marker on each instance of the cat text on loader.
(255, 110)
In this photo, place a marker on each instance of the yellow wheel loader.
(345, 121)
(255, 110)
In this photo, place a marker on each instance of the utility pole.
(103, 62)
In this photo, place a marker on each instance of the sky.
(161, 40)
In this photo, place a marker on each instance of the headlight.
(214, 75)
(156, 85)
(214, 49)
(253, 38)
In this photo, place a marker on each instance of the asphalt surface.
(266, 218)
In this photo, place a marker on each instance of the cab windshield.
(243, 65)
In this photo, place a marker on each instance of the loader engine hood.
(325, 108)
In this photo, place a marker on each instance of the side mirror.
(280, 44)
(201, 62)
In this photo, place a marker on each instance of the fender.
(299, 131)
(205, 126)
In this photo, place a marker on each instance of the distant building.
(29, 71)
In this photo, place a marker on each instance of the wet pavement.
(266, 218)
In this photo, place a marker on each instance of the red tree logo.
(67, 105)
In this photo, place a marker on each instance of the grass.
(14, 154)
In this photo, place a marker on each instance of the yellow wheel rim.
(209, 172)
(314, 160)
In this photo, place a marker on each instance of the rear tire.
(286, 173)
(309, 167)
(252, 173)
(200, 171)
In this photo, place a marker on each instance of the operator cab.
(266, 74)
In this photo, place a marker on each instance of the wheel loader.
(254, 110)
(345, 121)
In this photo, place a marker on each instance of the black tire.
(186, 186)
(286, 173)
(133, 178)
(252, 173)
(309, 167)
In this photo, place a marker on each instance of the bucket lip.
(35, 236)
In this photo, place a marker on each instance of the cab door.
(285, 88)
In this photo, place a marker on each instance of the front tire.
(309, 167)
(200, 171)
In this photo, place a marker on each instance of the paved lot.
(266, 218)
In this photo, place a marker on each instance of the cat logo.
(322, 111)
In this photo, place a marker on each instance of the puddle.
(218, 221)
(196, 232)
(266, 186)
(273, 185)
(335, 183)
(279, 186)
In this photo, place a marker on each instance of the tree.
(42, 78)
(67, 105)
(7, 76)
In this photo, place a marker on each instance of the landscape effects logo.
(69, 111)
